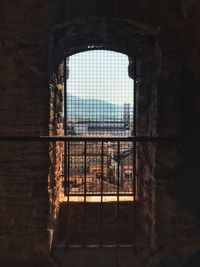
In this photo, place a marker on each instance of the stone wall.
(26, 37)
(56, 149)
(24, 110)
(146, 114)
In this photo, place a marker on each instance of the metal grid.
(100, 115)
(99, 103)
(103, 167)
(99, 95)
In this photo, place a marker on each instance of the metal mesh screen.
(99, 103)
(99, 94)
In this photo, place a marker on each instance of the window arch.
(97, 33)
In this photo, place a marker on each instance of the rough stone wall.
(24, 110)
(176, 172)
(56, 148)
(146, 116)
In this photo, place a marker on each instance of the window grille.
(100, 162)
(99, 100)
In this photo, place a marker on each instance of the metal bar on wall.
(65, 125)
(85, 192)
(66, 158)
(91, 139)
(118, 184)
(101, 205)
(68, 193)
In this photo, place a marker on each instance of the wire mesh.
(99, 95)
(99, 103)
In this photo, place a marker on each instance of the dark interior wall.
(24, 110)
(26, 28)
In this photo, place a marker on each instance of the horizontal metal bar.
(93, 246)
(87, 139)
(98, 195)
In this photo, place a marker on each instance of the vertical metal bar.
(65, 127)
(118, 176)
(68, 193)
(85, 192)
(66, 156)
(101, 205)
(65, 168)
(134, 153)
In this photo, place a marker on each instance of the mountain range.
(92, 109)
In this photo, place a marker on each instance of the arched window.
(99, 115)
(99, 127)
(100, 122)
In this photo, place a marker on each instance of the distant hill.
(92, 109)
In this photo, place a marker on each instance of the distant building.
(125, 163)
(111, 128)
(127, 113)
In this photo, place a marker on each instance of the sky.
(100, 74)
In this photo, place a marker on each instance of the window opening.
(99, 103)
(100, 162)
